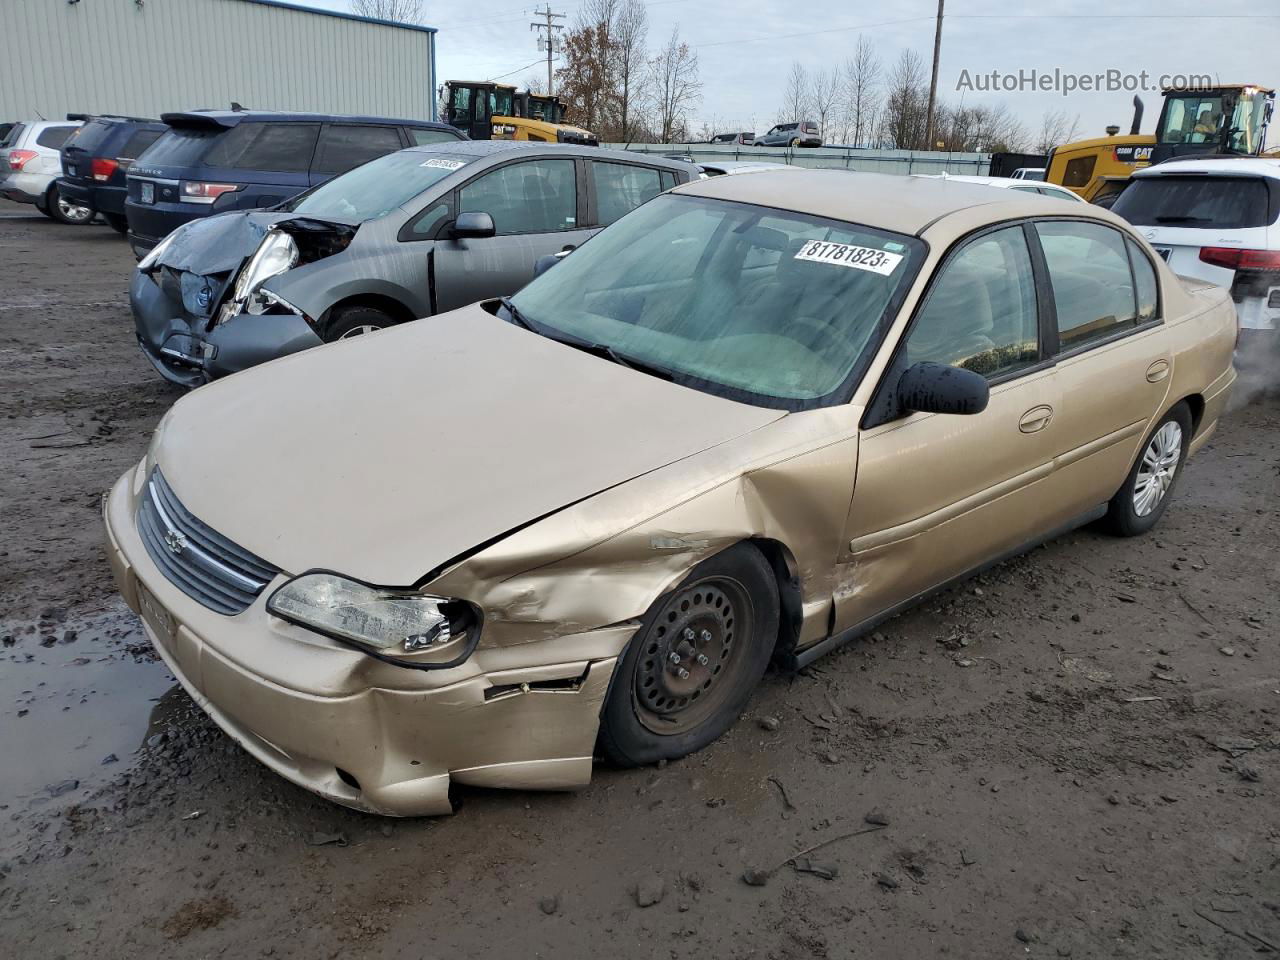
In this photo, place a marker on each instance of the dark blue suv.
(212, 161)
(96, 158)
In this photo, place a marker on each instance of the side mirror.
(475, 226)
(938, 388)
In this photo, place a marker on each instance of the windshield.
(1247, 123)
(774, 308)
(1193, 119)
(374, 189)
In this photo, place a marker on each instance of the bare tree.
(1056, 128)
(796, 97)
(402, 11)
(676, 86)
(630, 36)
(535, 83)
(823, 90)
(861, 83)
(903, 120)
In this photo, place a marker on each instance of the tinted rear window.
(88, 137)
(12, 136)
(54, 137)
(422, 135)
(347, 145)
(183, 146)
(137, 144)
(278, 147)
(1202, 202)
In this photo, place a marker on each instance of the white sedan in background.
(1015, 183)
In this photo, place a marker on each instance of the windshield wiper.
(1182, 219)
(518, 318)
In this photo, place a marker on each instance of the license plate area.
(146, 192)
(71, 170)
(156, 617)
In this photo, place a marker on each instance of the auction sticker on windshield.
(443, 164)
(846, 255)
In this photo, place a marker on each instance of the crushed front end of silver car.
(199, 304)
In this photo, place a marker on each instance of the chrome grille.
(202, 563)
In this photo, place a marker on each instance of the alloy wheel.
(359, 331)
(1159, 464)
(74, 212)
(696, 643)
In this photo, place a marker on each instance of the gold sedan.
(747, 422)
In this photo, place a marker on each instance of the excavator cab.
(1230, 120)
(472, 107)
(538, 107)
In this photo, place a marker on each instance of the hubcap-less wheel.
(1159, 464)
(359, 331)
(691, 653)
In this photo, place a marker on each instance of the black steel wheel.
(691, 667)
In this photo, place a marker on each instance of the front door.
(937, 495)
(535, 209)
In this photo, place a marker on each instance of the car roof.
(485, 148)
(903, 204)
(1249, 166)
(230, 118)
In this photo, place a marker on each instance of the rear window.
(13, 135)
(1197, 201)
(183, 146)
(278, 147)
(88, 137)
(54, 137)
(137, 144)
(419, 136)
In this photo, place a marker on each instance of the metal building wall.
(145, 57)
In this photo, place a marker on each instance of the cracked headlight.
(275, 254)
(401, 626)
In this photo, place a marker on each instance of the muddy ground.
(1076, 754)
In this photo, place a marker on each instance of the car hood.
(219, 244)
(386, 456)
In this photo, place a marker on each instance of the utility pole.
(933, 83)
(551, 40)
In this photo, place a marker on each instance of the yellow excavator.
(1226, 120)
(496, 111)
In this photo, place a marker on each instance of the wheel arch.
(790, 598)
(378, 301)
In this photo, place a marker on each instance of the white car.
(1023, 184)
(734, 167)
(30, 164)
(1028, 173)
(1217, 220)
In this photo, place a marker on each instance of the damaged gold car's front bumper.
(366, 734)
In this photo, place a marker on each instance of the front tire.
(355, 321)
(64, 211)
(1144, 495)
(691, 667)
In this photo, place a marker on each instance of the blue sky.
(746, 51)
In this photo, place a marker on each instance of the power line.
(517, 70)
(813, 33)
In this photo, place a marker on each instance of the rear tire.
(722, 624)
(795, 143)
(354, 321)
(64, 211)
(117, 222)
(1144, 495)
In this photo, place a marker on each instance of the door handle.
(1157, 371)
(1036, 419)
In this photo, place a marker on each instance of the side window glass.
(668, 179)
(430, 220)
(420, 136)
(536, 196)
(980, 312)
(1079, 171)
(1092, 284)
(460, 106)
(279, 147)
(347, 145)
(621, 187)
(1145, 282)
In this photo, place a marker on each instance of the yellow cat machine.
(496, 111)
(1228, 120)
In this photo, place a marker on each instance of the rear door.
(347, 145)
(538, 207)
(48, 144)
(1113, 358)
(616, 188)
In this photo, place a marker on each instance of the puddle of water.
(73, 694)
